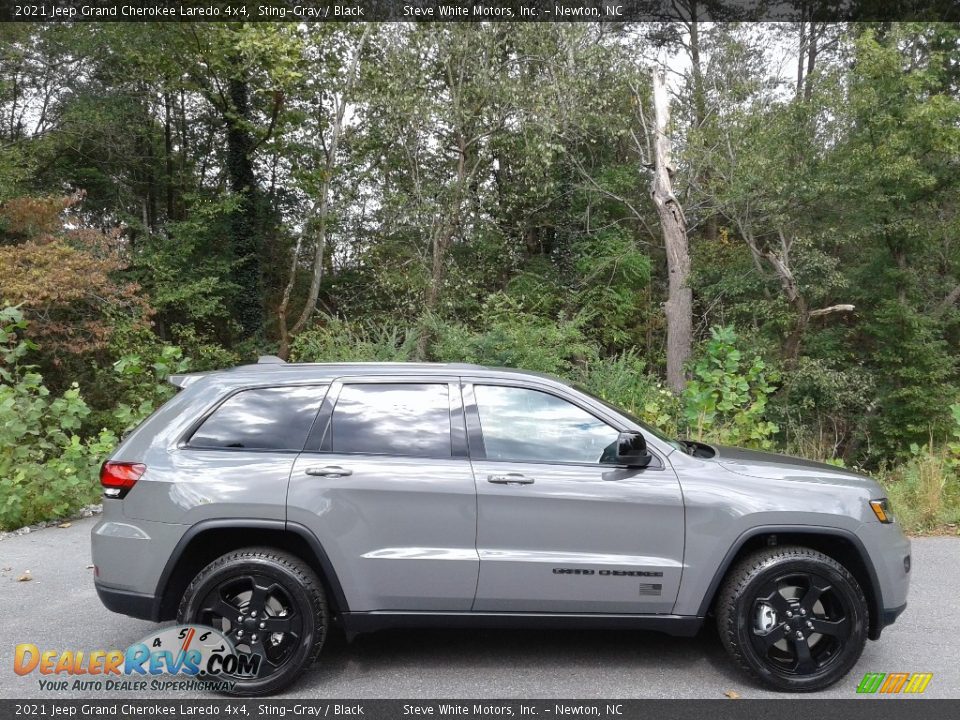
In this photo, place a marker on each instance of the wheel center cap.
(250, 623)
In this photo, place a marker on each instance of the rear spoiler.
(181, 381)
(184, 379)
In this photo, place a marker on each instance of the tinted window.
(401, 419)
(533, 426)
(262, 419)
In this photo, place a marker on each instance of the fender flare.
(876, 610)
(303, 532)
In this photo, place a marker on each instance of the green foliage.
(624, 381)
(138, 377)
(925, 488)
(726, 399)
(820, 407)
(187, 271)
(338, 341)
(913, 366)
(509, 336)
(613, 273)
(488, 202)
(47, 469)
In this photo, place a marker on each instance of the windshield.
(677, 445)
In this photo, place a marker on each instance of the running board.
(355, 623)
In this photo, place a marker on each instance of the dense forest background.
(177, 196)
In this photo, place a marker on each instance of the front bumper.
(890, 615)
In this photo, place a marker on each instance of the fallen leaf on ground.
(89, 567)
(26, 577)
(64, 526)
(732, 694)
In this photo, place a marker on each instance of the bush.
(726, 399)
(925, 489)
(510, 336)
(624, 381)
(339, 341)
(47, 469)
(130, 382)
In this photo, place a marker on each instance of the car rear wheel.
(267, 603)
(792, 617)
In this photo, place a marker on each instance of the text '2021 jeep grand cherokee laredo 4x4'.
(267, 500)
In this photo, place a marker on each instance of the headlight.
(881, 508)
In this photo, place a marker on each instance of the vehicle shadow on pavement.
(526, 662)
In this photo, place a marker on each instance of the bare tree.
(673, 224)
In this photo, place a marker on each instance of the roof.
(277, 369)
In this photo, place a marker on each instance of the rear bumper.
(125, 602)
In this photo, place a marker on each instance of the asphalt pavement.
(58, 609)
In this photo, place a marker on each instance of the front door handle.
(510, 479)
(328, 471)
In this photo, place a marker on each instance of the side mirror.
(632, 450)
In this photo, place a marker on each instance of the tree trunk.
(168, 152)
(679, 308)
(440, 242)
(244, 224)
(711, 223)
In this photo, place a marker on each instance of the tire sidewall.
(853, 598)
(313, 617)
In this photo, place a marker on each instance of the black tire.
(282, 592)
(771, 607)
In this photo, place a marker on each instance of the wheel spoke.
(772, 636)
(259, 648)
(221, 608)
(836, 628)
(817, 588)
(258, 598)
(277, 624)
(770, 594)
(805, 662)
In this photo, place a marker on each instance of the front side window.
(532, 426)
(262, 419)
(392, 419)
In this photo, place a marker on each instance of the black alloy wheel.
(267, 603)
(793, 617)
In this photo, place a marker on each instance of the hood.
(739, 456)
(754, 463)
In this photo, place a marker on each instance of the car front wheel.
(792, 617)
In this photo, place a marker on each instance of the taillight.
(118, 477)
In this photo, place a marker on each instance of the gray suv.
(270, 500)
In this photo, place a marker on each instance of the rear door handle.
(328, 471)
(510, 479)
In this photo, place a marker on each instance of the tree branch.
(831, 310)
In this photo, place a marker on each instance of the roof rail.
(270, 360)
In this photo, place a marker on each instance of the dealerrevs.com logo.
(197, 658)
(893, 683)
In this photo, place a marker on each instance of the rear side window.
(262, 419)
(392, 419)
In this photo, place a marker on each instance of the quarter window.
(532, 426)
(392, 419)
(262, 419)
